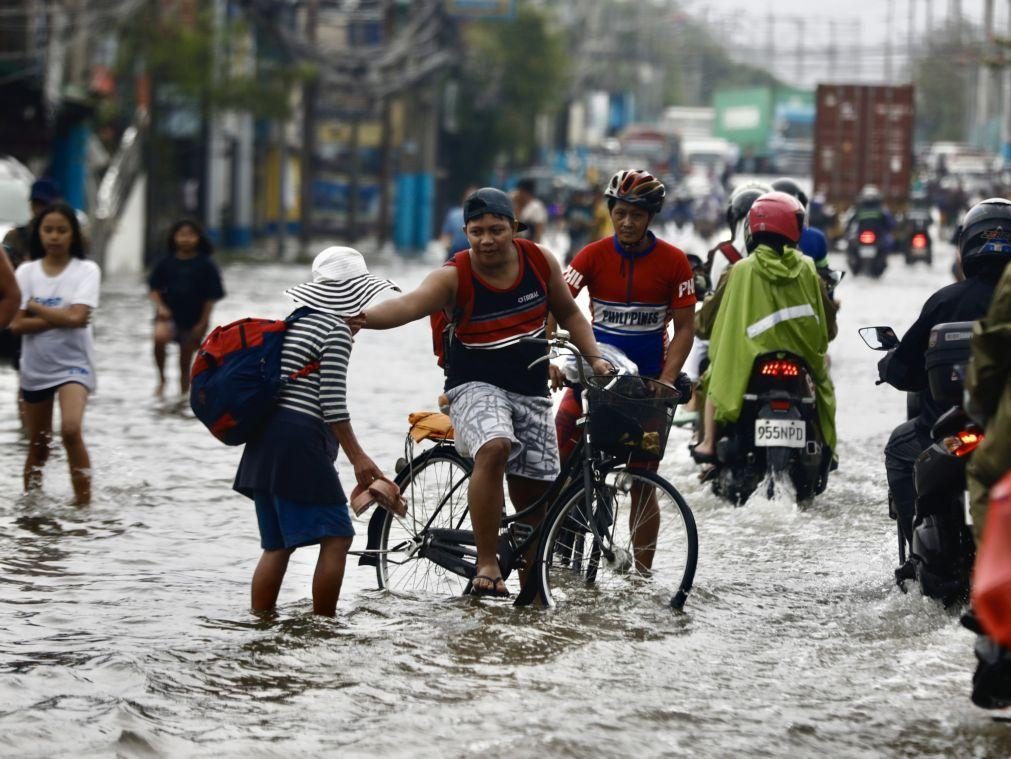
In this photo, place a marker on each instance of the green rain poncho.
(771, 302)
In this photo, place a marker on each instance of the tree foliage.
(206, 64)
(941, 78)
(512, 71)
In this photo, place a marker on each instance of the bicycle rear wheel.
(637, 536)
(434, 485)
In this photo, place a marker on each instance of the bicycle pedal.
(520, 531)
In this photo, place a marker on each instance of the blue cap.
(489, 200)
(46, 190)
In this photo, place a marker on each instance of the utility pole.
(799, 20)
(385, 140)
(910, 31)
(310, 95)
(770, 40)
(833, 51)
(889, 24)
(983, 70)
(1005, 120)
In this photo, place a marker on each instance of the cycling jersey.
(633, 295)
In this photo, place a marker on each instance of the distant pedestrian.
(59, 291)
(530, 211)
(16, 245)
(288, 470)
(184, 286)
(452, 236)
(17, 242)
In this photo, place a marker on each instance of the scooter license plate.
(868, 251)
(780, 433)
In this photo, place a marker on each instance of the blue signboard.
(482, 9)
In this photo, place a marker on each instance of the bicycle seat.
(430, 425)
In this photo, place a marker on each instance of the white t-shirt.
(61, 354)
(534, 214)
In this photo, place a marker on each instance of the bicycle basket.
(630, 416)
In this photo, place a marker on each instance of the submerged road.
(125, 630)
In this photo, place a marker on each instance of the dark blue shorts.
(287, 524)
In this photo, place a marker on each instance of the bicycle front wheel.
(635, 535)
(434, 485)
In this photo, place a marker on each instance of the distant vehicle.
(15, 187)
(650, 148)
(708, 156)
(863, 136)
(690, 122)
(771, 126)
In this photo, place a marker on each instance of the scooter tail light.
(780, 368)
(964, 443)
(780, 405)
(867, 237)
(920, 241)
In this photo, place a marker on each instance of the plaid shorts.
(481, 412)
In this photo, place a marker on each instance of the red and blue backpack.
(236, 376)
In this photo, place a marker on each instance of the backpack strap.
(535, 255)
(312, 366)
(464, 287)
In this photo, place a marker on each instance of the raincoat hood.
(777, 267)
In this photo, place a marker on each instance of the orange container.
(991, 577)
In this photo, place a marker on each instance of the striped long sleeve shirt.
(323, 394)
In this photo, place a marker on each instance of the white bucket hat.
(341, 283)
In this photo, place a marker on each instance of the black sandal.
(493, 590)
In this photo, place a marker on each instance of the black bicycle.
(610, 524)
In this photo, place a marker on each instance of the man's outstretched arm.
(436, 292)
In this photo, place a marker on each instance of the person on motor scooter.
(730, 251)
(813, 242)
(772, 300)
(871, 213)
(988, 383)
(984, 244)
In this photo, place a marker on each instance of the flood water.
(125, 628)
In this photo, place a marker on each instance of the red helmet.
(638, 187)
(777, 213)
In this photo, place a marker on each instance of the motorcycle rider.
(729, 252)
(984, 244)
(813, 242)
(719, 259)
(871, 213)
(771, 300)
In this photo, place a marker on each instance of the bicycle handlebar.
(558, 343)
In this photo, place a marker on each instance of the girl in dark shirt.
(184, 286)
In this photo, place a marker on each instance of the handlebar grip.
(534, 341)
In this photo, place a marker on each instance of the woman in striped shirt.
(288, 470)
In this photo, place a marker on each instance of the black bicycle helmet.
(740, 201)
(984, 237)
(787, 185)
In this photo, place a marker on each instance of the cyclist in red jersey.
(638, 285)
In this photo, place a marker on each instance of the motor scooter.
(939, 557)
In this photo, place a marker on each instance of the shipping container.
(863, 136)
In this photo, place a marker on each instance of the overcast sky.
(860, 28)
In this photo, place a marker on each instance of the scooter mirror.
(879, 338)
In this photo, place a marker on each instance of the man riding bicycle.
(499, 407)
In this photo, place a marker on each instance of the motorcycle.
(920, 247)
(940, 556)
(867, 251)
(775, 437)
